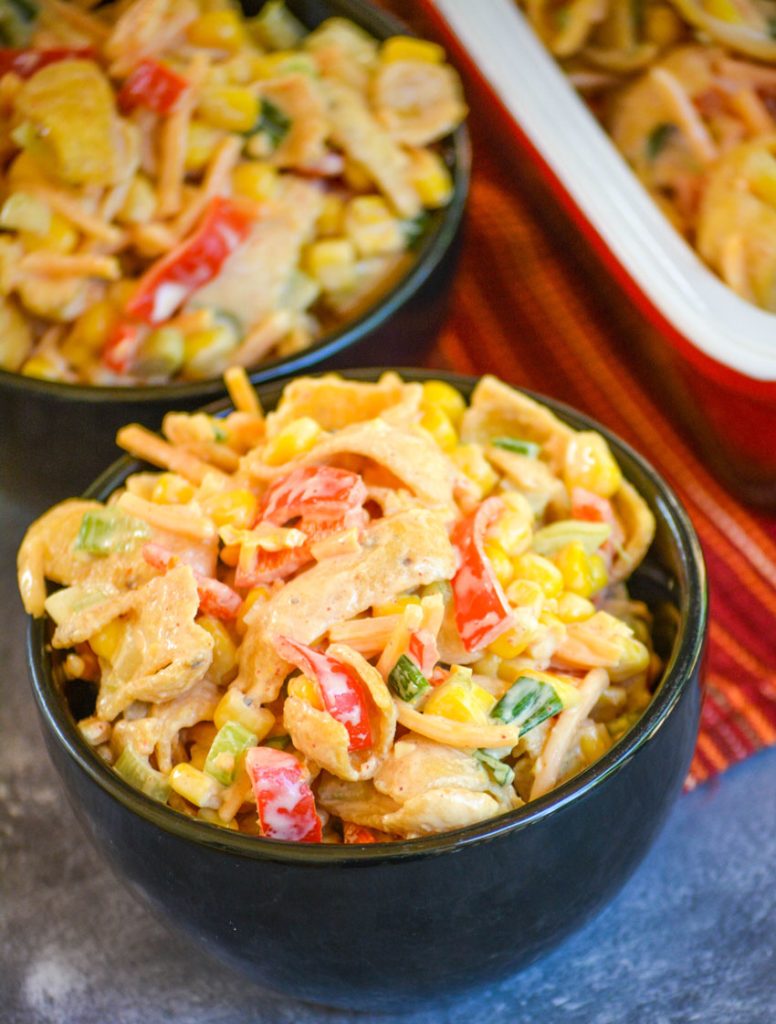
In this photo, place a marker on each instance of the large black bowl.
(384, 927)
(57, 437)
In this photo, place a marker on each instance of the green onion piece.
(278, 742)
(557, 535)
(518, 446)
(161, 353)
(406, 679)
(231, 740)
(415, 228)
(107, 531)
(527, 703)
(273, 123)
(276, 28)
(658, 138)
(502, 773)
(136, 770)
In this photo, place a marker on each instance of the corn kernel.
(501, 562)
(201, 142)
(25, 168)
(460, 699)
(24, 212)
(89, 333)
(171, 489)
(440, 394)
(633, 659)
(724, 10)
(662, 25)
(42, 367)
(195, 786)
(305, 689)
(283, 62)
(332, 263)
(331, 218)
(511, 643)
(533, 567)
(371, 226)
(255, 180)
(296, 438)
(441, 429)
(574, 564)
(431, 178)
(526, 594)
(397, 606)
(409, 48)
(512, 532)
(594, 742)
(258, 595)
(224, 663)
(236, 508)
(198, 756)
(60, 237)
(218, 30)
(472, 462)
(356, 176)
(599, 577)
(213, 818)
(573, 608)
(590, 464)
(231, 107)
(234, 706)
(206, 353)
(105, 641)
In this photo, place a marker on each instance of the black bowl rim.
(434, 246)
(682, 670)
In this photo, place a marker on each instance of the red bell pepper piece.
(315, 493)
(171, 280)
(592, 507)
(352, 833)
(343, 693)
(215, 598)
(423, 649)
(25, 63)
(152, 85)
(284, 800)
(121, 348)
(266, 566)
(482, 612)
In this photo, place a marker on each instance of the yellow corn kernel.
(501, 562)
(331, 218)
(725, 10)
(171, 489)
(574, 564)
(599, 577)
(662, 25)
(537, 569)
(397, 606)
(573, 608)
(566, 692)
(296, 438)
(282, 62)
(42, 367)
(431, 178)
(224, 661)
(332, 263)
(526, 594)
(441, 395)
(511, 643)
(60, 237)
(255, 596)
(218, 30)
(234, 706)
(213, 818)
(438, 424)
(634, 658)
(255, 180)
(512, 532)
(371, 226)
(409, 48)
(594, 742)
(472, 462)
(590, 464)
(307, 690)
(201, 142)
(206, 352)
(232, 107)
(89, 333)
(460, 699)
(25, 168)
(356, 176)
(24, 212)
(487, 665)
(198, 756)
(236, 508)
(195, 786)
(106, 640)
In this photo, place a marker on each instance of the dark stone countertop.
(692, 937)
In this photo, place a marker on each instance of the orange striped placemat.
(532, 304)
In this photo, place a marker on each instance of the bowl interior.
(672, 580)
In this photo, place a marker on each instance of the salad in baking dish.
(373, 613)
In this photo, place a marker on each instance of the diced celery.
(557, 535)
(415, 228)
(527, 703)
(107, 531)
(517, 445)
(406, 679)
(276, 28)
(136, 770)
(502, 773)
(232, 739)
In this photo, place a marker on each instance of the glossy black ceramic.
(388, 926)
(55, 437)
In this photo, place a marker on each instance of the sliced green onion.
(406, 679)
(272, 123)
(502, 773)
(276, 28)
(136, 770)
(527, 703)
(658, 138)
(415, 228)
(278, 742)
(107, 531)
(517, 445)
(557, 535)
(231, 740)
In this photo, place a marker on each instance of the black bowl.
(57, 437)
(385, 927)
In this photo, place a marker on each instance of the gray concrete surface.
(690, 938)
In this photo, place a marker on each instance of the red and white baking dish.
(717, 352)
